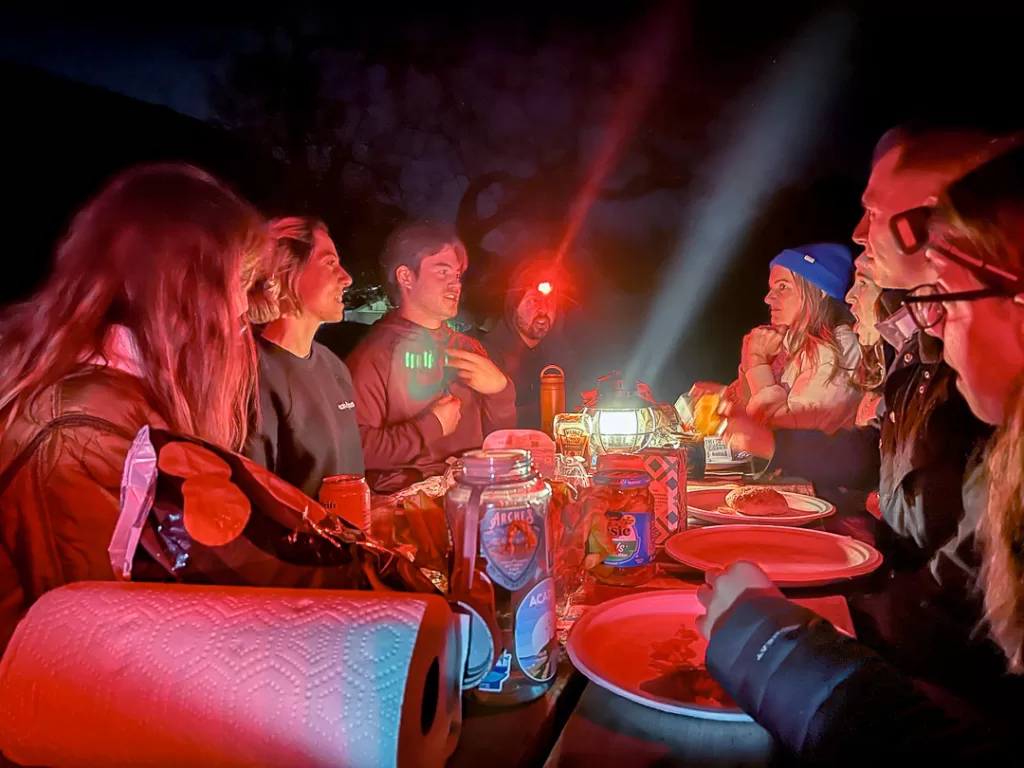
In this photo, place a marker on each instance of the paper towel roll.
(109, 674)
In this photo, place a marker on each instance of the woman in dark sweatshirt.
(307, 427)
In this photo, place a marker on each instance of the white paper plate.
(792, 557)
(709, 506)
(616, 645)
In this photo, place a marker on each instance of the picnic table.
(578, 723)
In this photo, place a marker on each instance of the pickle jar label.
(536, 647)
(630, 532)
(510, 539)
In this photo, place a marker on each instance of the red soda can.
(348, 497)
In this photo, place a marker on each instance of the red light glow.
(544, 288)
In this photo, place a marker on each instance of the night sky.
(407, 111)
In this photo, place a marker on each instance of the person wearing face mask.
(425, 392)
(824, 696)
(528, 338)
(307, 427)
(796, 371)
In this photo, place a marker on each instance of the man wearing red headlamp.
(528, 338)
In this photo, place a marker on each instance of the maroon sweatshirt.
(399, 373)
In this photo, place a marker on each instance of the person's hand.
(724, 588)
(477, 371)
(760, 347)
(701, 388)
(448, 411)
(744, 434)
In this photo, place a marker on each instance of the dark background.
(82, 99)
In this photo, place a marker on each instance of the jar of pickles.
(626, 507)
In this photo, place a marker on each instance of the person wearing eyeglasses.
(918, 452)
(827, 698)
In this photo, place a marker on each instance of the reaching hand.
(745, 435)
(760, 347)
(724, 588)
(448, 411)
(477, 371)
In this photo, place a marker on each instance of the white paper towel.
(109, 674)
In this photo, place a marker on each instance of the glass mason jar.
(512, 502)
(624, 499)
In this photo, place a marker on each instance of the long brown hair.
(1002, 534)
(165, 250)
(815, 326)
(869, 373)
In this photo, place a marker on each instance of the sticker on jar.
(536, 648)
(499, 673)
(510, 539)
(630, 532)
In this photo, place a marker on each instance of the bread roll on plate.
(758, 501)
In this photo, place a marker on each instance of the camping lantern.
(622, 421)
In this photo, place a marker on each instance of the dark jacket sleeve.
(829, 700)
(927, 506)
(386, 446)
(849, 458)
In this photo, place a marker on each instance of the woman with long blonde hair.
(307, 427)
(796, 372)
(141, 322)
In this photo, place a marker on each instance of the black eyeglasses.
(926, 303)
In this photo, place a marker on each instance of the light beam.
(767, 145)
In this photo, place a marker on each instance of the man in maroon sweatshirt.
(424, 391)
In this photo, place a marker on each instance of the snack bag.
(196, 513)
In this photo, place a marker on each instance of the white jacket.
(801, 394)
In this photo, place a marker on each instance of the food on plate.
(758, 501)
(684, 678)
(689, 686)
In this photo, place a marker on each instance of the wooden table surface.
(581, 724)
(518, 736)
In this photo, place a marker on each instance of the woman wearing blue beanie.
(796, 373)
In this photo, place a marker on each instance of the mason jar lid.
(623, 478)
(495, 463)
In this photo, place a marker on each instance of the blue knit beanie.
(827, 265)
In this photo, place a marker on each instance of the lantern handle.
(547, 368)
